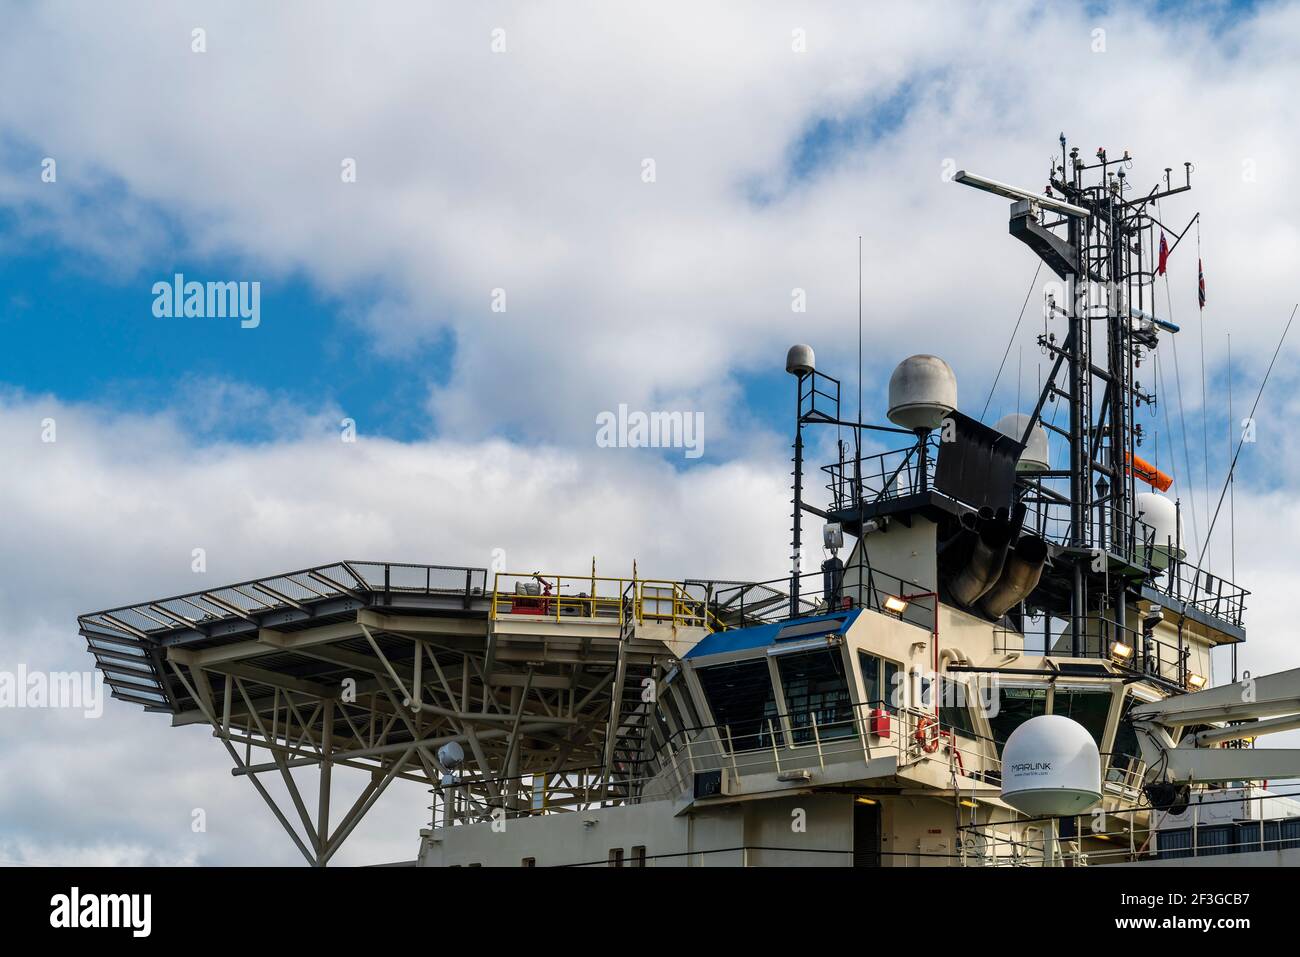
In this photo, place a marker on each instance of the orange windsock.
(1148, 473)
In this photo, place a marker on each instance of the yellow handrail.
(654, 600)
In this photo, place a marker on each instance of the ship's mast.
(1107, 261)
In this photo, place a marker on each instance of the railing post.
(864, 728)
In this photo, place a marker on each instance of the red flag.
(1164, 253)
(1200, 280)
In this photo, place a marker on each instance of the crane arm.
(1266, 704)
(1264, 697)
(1212, 765)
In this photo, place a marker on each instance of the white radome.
(1051, 768)
(1035, 457)
(800, 360)
(1161, 514)
(922, 391)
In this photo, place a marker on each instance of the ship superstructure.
(854, 715)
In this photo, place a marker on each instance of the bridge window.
(955, 707)
(686, 705)
(742, 700)
(1087, 704)
(1015, 707)
(1125, 753)
(668, 705)
(1126, 739)
(816, 690)
(880, 679)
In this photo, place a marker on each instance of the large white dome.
(922, 391)
(1051, 767)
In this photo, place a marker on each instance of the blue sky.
(85, 336)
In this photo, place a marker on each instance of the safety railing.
(880, 591)
(1250, 822)
(592, 597)
(870, 479)
(717, 605)
(1105, 639)
(744, 604)
(812, 738)
(1177, 579)
(1199, 589)
(803, 739)
(300, 589)
(1125, 775)
(473, 799)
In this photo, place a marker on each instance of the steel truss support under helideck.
(380, 694)
(296, 731)
(372, 667)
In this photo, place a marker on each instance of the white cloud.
(521, 171)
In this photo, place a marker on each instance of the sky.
(477, 227)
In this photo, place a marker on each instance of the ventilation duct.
(987, 556)
(1020, 576)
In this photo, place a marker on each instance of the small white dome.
(1035, 457)
(1051, 767)
(922, 390)
(1161, 516)
(800, 360)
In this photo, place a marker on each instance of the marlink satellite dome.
(1051, 768)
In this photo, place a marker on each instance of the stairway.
(628, 754)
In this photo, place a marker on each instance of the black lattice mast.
(1101, 240)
